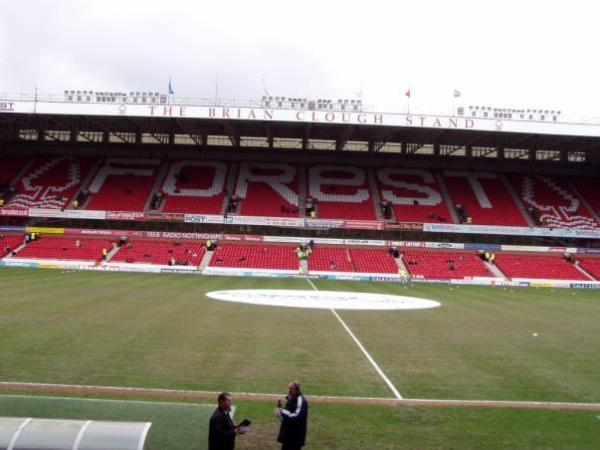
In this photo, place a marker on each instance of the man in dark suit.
(221, 430)
(294, 419)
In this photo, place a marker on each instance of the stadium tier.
(173, 253)
(62, 248)
(440, 265)
(10, 166)
(272, 257)
(552, 202)
(484, 197)
(51, 182)
(414, 195)
(591, 266)
(588, 188)
(8, 243)
(538, 267)
(123, 184)
(267, 189)
(343, 192)
(194, 187)
(329, 259)
(373, 261)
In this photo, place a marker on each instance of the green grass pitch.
(140, 330)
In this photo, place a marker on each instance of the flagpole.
(457, 94)
(216, 90)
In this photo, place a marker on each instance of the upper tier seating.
(484, 197)
(51, 182)
(341, 192)
(553, 199)
(588, 187)
(123, 184)
(267, 189)
(591, 266)
(10, 166)
(62, 248)
(186, 253)
(274, 257)
(538, 267)
(414, 194)
(194, 187)
(441, 265)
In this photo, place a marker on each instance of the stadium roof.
(537, 135)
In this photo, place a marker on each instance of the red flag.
(408, 93)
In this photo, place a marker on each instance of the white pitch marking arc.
(322, 299)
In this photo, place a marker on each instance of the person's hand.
(278, 414)
(240, 430)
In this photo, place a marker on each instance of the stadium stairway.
(495, 270)
(304, 265)
(401, 265)
(85, 185)
(372, 183)
(446, 196)
(158, 182)
(205, 260)
(234, 169)
(517, 201)
(301, 191)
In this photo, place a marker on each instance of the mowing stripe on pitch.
(364, 350)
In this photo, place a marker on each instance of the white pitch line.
(105, 400)
(364, 350)
(78, 389)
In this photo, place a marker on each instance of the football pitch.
(139, 331)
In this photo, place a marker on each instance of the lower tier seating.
(185, 253)
(274, 257)
(591, 266)
(63, 248)
(538, 267)
(441, 265)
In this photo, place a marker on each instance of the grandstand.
(380, 194)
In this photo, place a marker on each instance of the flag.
(408, 93)
(456, 93)
(171, 92)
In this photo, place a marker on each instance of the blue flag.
(171, 92)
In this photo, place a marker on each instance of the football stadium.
(432, 281)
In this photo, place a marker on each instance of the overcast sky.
(520, 54)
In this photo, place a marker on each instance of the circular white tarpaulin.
(17, 433)
(323, 299)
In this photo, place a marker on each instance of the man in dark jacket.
(294, 419)
(221, 430)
